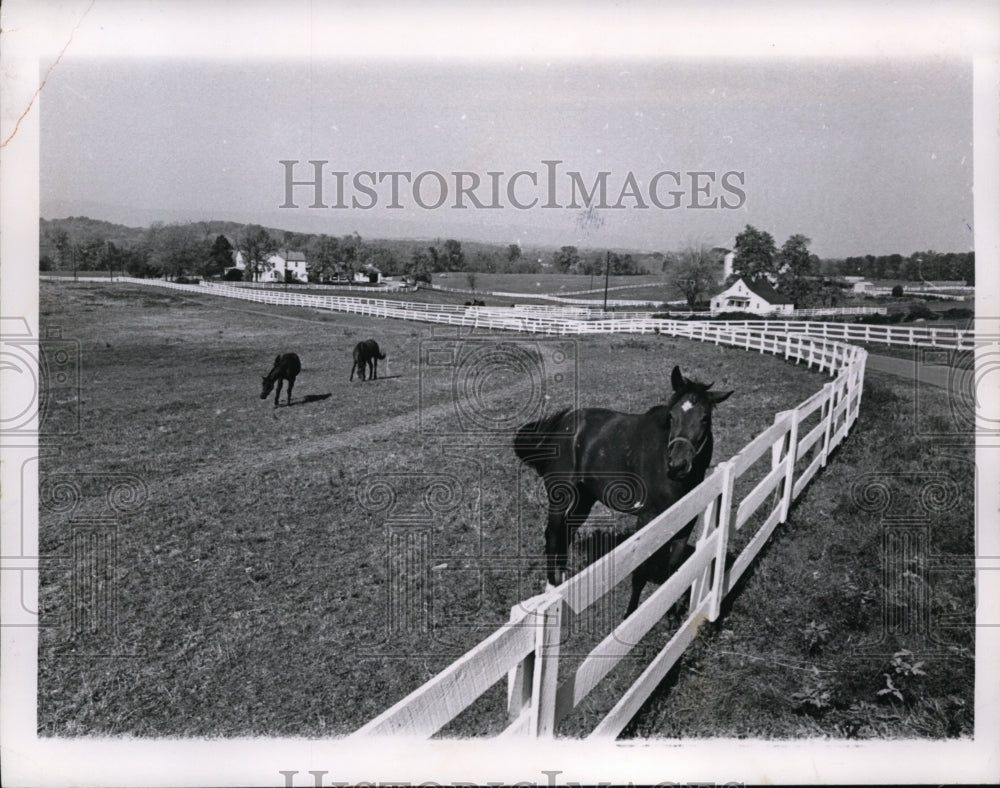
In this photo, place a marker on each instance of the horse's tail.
(535, 436)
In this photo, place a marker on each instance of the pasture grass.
(295, 571)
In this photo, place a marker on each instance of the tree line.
(207, 248)
(919, 266)
(798, 273)
(201, 249)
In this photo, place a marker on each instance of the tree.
(324, 259)
(175, 249)
(695, 272)
(420, 267)
(623, 265)
(436, 259)
(755, 252)
(795, 266)
(454, 256)
(376, 256)
(566, 259)
(256, 245)
(470, 277)
(220, 257)
(63, 247)
(513, 253)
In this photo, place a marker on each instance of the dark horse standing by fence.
(366, 354)
(637, 464)
(286, 367)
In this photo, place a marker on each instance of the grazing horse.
(286, 367)
(366, 354)
(637, 464)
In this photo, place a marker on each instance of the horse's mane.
(532, 436)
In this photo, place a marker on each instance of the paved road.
(907, 368)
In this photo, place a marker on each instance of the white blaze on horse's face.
(688, 428)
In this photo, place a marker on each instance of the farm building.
(281, 266)
(756, 297)
(861, 286)
(369, 275)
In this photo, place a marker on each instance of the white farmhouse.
(861, 286)
(756, 297)
(280, 265)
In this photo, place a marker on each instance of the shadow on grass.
(310, 398)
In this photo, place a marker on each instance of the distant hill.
(82, 229)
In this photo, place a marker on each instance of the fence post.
(520, 678)
(793, 449)
(701, 585)
(545, 676)
(722, 526)
(828, 418)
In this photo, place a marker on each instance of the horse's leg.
(563, 522)
(638, 582)
(375, 369)
(555, 546)
(277, 392)
(291, 382)
(671, 554)
(677, 546)
(639, 576)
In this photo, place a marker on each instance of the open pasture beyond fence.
(738, 507)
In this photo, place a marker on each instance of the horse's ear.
(677, 379)
(719, 396)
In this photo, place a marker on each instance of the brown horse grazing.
(637, 464)
(286, 367)
(366, 354)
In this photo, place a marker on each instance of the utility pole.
(607, 272)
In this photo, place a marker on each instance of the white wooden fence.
(554, 321)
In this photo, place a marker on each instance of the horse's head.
(690, 423)
(267, 387)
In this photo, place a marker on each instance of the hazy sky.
(862, 156)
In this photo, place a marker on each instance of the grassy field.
(294, 571)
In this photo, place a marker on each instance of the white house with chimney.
(281, 266)
(755, 297)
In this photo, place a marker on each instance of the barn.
(758, 297)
